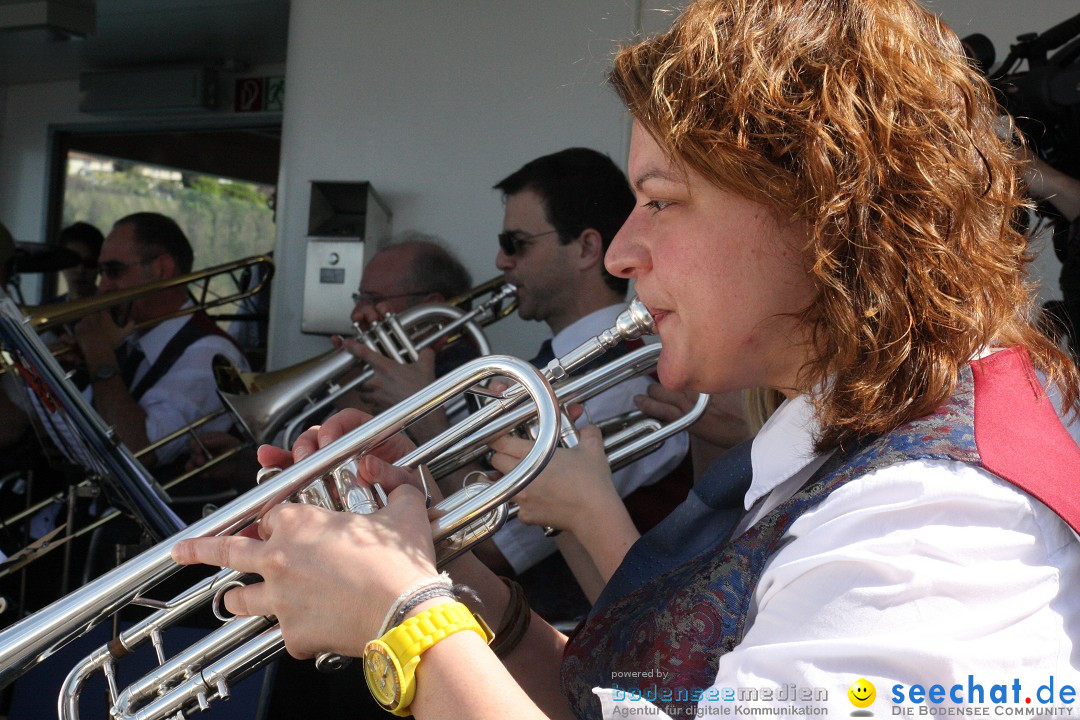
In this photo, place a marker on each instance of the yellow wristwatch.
(390, 662)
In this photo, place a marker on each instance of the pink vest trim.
(1019, 435)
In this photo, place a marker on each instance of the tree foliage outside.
(224, 219)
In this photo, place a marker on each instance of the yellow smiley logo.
(861, 693)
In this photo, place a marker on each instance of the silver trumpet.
(626, 438)
(293, 398)
(205, 671)
(322, 476)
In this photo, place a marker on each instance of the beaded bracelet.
(422, 595)
(445, 588)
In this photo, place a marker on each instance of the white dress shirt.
(921, 573)
(187, 391)
(524, 545)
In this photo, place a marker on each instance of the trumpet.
(205, 671)
(318, 476)
(265, 403)
(627, 438)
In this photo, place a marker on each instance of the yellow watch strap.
(420, 632)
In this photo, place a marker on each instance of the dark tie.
(128, 358)
(545, 355)
(704, 521)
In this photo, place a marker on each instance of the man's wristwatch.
(390, 662)
(104, 372)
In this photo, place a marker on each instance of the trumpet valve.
(474, 532)
(352, 495)
(265, 474)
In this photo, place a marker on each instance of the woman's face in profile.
(719, 272)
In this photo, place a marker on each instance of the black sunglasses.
(513, 242)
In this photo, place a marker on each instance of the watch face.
(382, 675)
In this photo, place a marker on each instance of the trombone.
(45, 317)
(261, 414)
(51, 315)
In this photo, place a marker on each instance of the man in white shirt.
(150, 382)
(561, 212)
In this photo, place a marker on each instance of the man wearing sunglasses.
(561, 212)
(84, 240)
(151, 381)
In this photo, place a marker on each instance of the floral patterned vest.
(681, 621)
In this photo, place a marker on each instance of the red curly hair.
(863, 121)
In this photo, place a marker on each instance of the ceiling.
(231, 34)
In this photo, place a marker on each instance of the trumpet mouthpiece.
(635, 321)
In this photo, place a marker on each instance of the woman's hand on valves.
(329, 577)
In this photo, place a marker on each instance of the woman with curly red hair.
(824, 208)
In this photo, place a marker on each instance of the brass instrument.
(111, 514)
(45, 317)
(291, 397)
(636, 436)
(204, 672)
(325, 474)
(134, 488)
(51, 315)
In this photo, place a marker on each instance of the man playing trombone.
(150, 382)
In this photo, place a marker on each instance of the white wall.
(433, 103)
(30, 109)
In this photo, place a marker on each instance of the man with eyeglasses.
(151, 381)
(561, 212)
(413, 269)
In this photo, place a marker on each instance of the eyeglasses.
(376, 298)
(513, 242)
(113, 269)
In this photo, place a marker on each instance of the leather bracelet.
(515, 620)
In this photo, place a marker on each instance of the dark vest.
(198, 326)
(681, 621)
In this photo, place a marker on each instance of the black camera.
(1044, 98)
(1044, 102)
